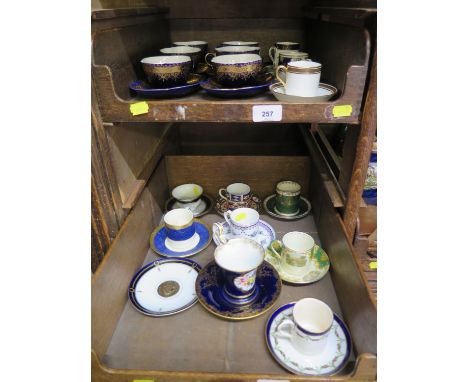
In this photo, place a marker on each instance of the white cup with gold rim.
(302, 78)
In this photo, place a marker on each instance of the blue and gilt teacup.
(180, 230)
(203, 45)
(237, 70)
(195, 54)
(167, 71)
(231, 49)
(239, 260)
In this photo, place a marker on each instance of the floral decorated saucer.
(266, 234)
(209, 289)
(223, 205)
(333, 359)
(205, 206)
(201, 240)
(318, 268)
(270, 208)
(164, 287)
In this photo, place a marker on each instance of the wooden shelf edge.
(105, 14)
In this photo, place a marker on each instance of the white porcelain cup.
(242, 222)
(188, 195)
(180, 230)
(302, 78)
(308, 330)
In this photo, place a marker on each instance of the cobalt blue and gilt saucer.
(209, 287)
(142, 88)
(215, 89)
(159, 235)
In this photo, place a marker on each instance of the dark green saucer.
(269, 206)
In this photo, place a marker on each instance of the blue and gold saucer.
(209, 287)
(262, 82)
(142, 88)
(202, 239)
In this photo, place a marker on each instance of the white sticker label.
(265, 113)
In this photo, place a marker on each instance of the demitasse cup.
(302, 78)
(180, 230)
(235, 192)
(294, 252)
(242, 222)
(284, 46)
(203, 45)
(239, 259)
(167, 71)
(237, 70)
(286, 56)
(231, 50)
(193, 53)
(288, 196)
(239, 43)
(188, 195)
(308, 330)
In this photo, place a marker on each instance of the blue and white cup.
(243, 221)
(239, 260)
(180, 230)
(308, 330)
(235, 192)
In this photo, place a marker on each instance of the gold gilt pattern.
(164, 73)
(235, 72)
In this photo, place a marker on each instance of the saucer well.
(159, 235)
(269, 206)
(318, 267)
(209, 287)
(142, 88)
(223, 205)
(266, 234)
(325, 93)
(206, 203)
(333, 359)
(217, 90)
(164, 287)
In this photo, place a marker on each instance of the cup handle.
(276, 252)
(220, 192)
(272, 56)
(282, 332)
(221, 236)
(278, 70)
(207, 60)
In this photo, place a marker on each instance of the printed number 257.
(266, 114)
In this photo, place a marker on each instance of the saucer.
(206, 203)
(269, 206)
(164, 287)
(159, 235)
(209, 287)
(264, 237)
(142, 88)
(223, 205)
(318, 269)
(329, 362)
(325, 92)
(215, 89)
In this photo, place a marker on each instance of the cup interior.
(245, 217)
(298, 241)
(190, 43)
(239, 255)
(240, 43)
(304, 64)
(313, 315)
(187, 192)
(164, 60)
(288, 186)
(236, 59)
(178, 217)
(181, 50)
(238, 189)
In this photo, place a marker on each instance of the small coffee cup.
(235, 192)
(302, 78)
(308, 330)
(239, 259)
(287, 198)
(193, 53)
(180, 229)
(203, 45)
(187, 196)
(237, 70)
(283, 46)
(167, 71)
(242, 222)
(294, 252)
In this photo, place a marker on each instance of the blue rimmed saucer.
(142, 88)
(330, 361)
(215, 89)
(159, 235)
(266, 234)
(164, 287)
(209, 287)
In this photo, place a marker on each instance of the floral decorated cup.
(237, 70)
(287, 198)
(239, 260)
(167, 71)
(193, 53)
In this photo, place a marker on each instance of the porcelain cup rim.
(166, 60)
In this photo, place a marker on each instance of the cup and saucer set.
(189, 196)
(287, 203)
(236, 195)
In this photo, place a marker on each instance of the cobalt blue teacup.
(167, 71)
(180, 230)
(239, 259)
(237, 70)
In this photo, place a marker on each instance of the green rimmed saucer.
(318, 269)
(269, 206)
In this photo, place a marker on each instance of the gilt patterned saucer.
(209, 286)
(266, 234)
(223, 205)
(217, 90)
(318, 268)
(164, 287)
(206, 204)
(333, 359)
(159, 235)
(270, 208)
(142, 88)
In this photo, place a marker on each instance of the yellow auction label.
(240, 217)
(139, 108)
(373, 265)
(342, 110)
(196, 190)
